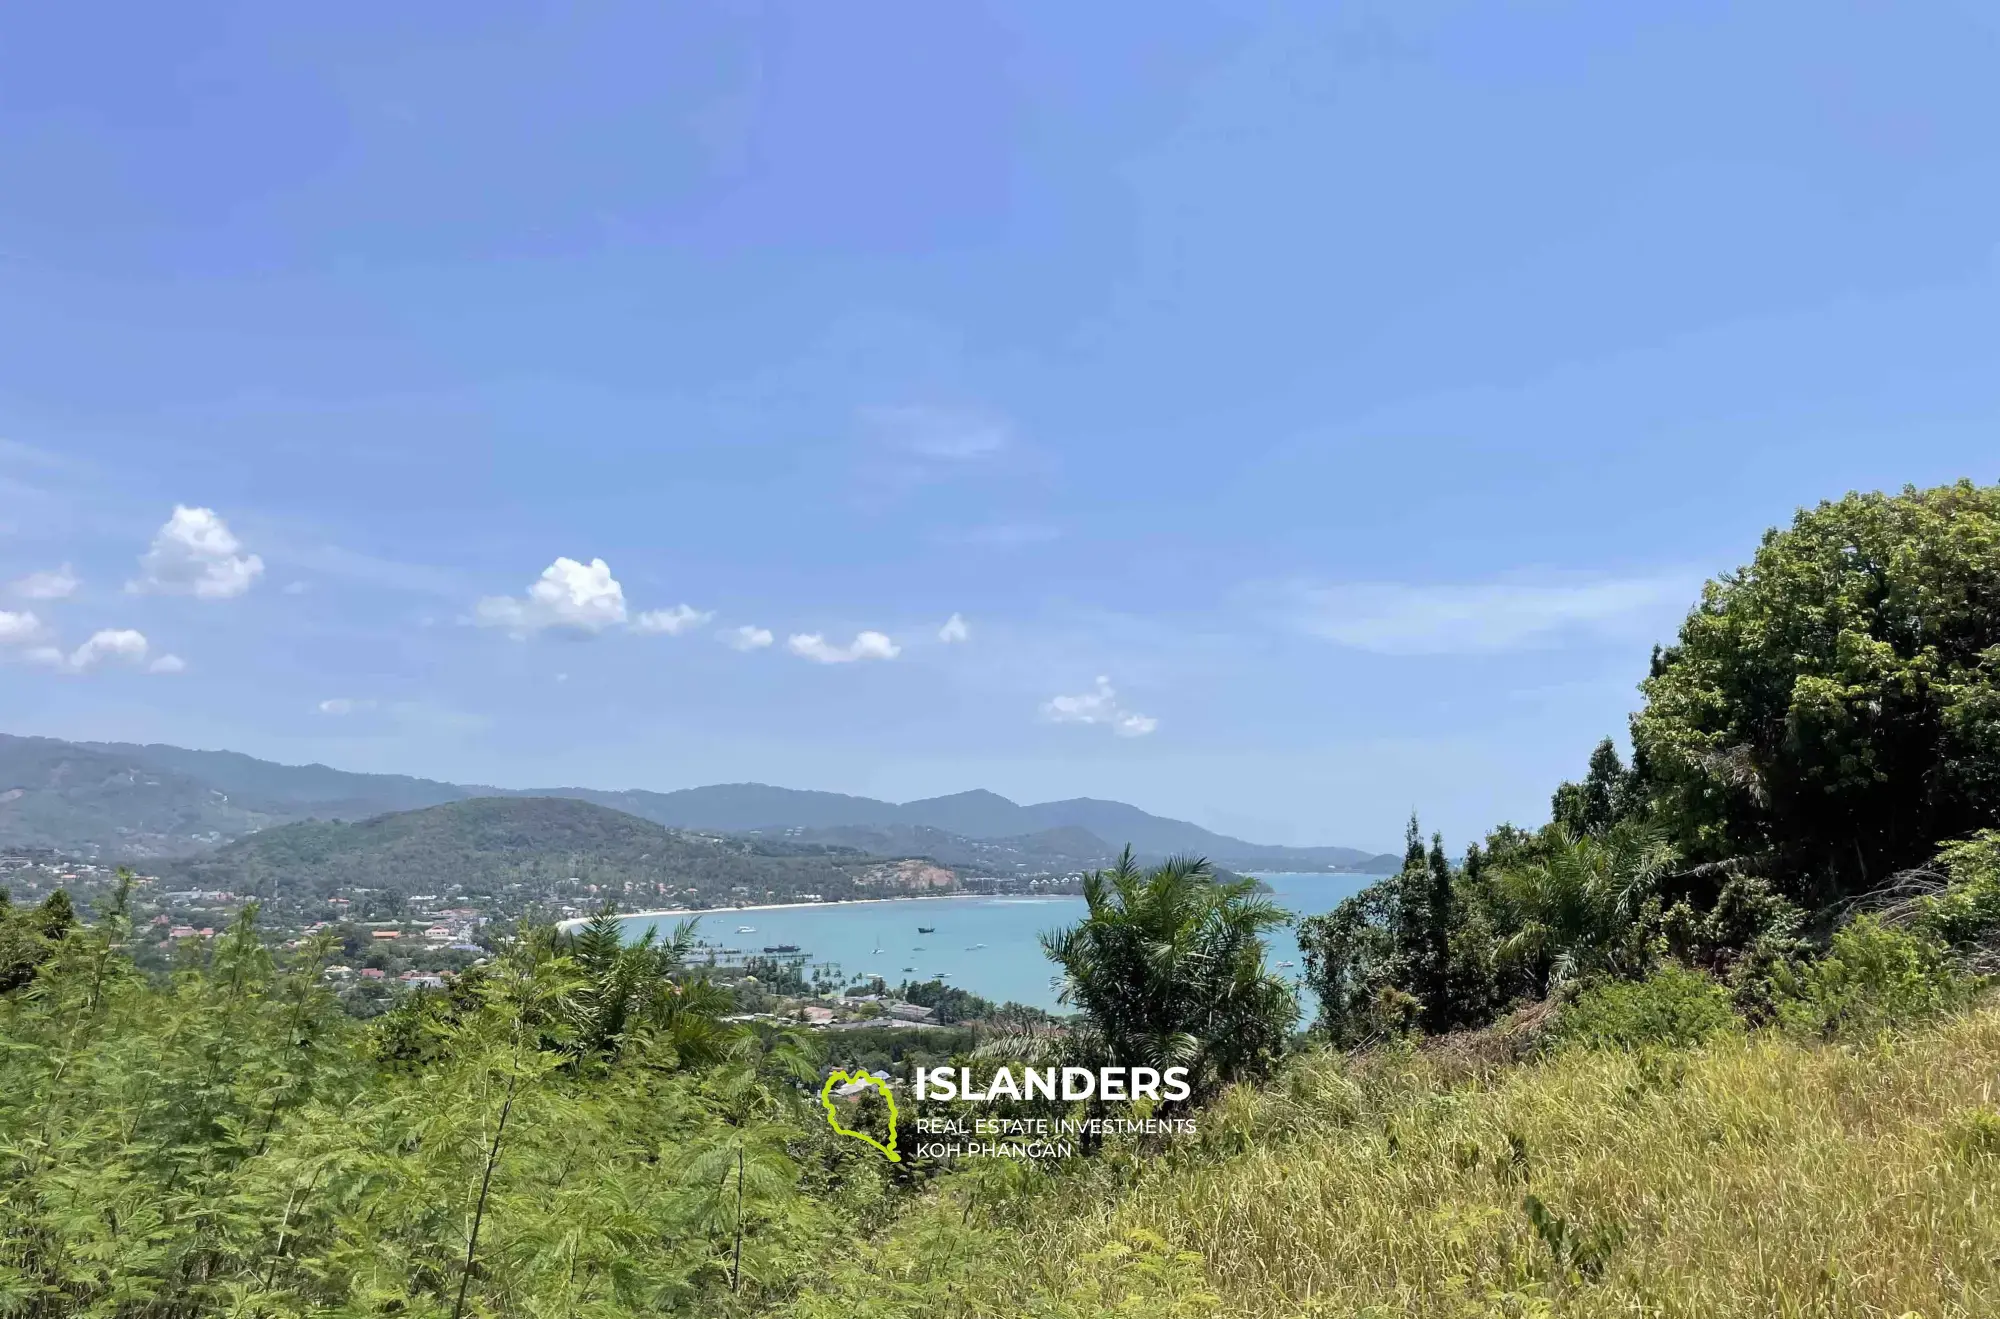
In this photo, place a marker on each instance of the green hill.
(82, 800)
(487, 843)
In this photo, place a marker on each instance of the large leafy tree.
(1167, 967)
(1832, 711)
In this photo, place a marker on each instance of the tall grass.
(1757, 1176)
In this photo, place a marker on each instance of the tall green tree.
(1831, 711)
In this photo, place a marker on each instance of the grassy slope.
(1755, 1177)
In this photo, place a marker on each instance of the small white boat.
(975, 948)
(746, 929)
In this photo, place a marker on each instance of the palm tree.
(643, 989)
(1168, 971)
(1573, 907)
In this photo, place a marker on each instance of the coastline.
(575, 921)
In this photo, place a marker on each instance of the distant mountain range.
(120, 799)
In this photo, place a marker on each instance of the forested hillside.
(78, 799)
(489, 843)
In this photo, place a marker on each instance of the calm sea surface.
(990, 946)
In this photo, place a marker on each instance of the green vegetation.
(1714, 1041)
(1762, 1175)
(1823, 739)
(488, 843)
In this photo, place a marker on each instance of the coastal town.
(389, 943)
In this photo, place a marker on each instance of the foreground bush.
(1873, 978)
(1674, 1007)
(1755, 1177)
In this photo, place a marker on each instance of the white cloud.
(1099, 706)
(120, 644)
(18, 629)
(295, 588)
(111, 645)
(954, 630)
(747, 637)
(671, 622)
(195, 553)
(865, 646)
(343, 705)
(1483, 617)
(571, 596)
(940, 435)
(54, 584)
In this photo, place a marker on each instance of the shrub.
(1967, 912)
(1674, 1006)
(1873, 978)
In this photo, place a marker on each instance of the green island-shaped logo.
(833, 1117)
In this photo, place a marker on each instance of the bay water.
(990, 946)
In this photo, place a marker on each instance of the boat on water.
(975, 948)
(909, 970)
(781, 947)
(746, 929)
(927, 929)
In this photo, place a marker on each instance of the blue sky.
(1309, 412)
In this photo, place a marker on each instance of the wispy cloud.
(1481, 617)
(671, 622)
(865, 646)
(939, 435)
(954, 630)
(52, 584)
(1100, 706)
(748, 637)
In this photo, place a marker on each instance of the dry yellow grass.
(1756, 1177)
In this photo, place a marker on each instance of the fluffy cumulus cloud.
(671, 622)
(19, 628)
(105, 648)
(1099, 706)
(196, 554)
(111, 645)
(954, 630)
(54, 584)
(865, 646)
(747, 637)
(581, 598)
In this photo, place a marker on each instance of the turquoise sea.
(990, 946)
